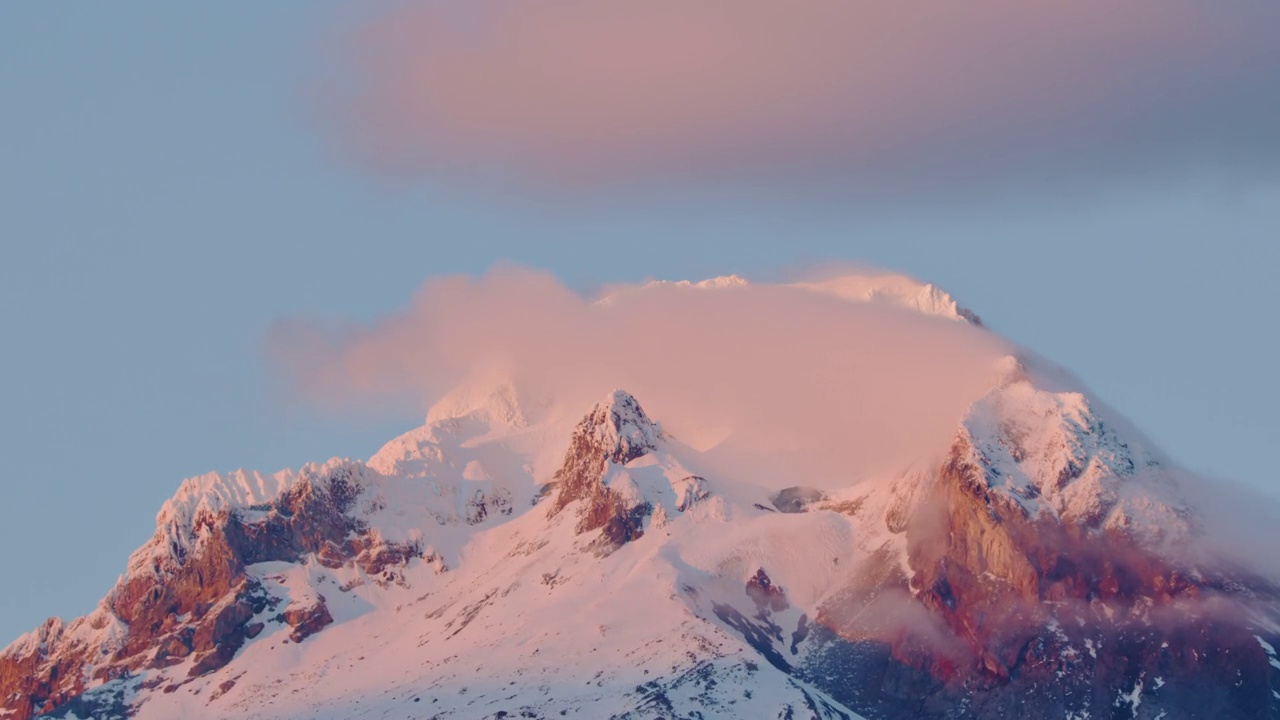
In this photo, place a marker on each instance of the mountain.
(514, 557)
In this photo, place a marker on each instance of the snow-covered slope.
(516, 558)
(871, 287)
(893, 290)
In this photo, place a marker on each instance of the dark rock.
(796, 499)
(617, 432)
(765, 594)
(307, 621)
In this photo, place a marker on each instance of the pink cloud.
(789, 376)
(584, 91)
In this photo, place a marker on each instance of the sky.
(175, 181)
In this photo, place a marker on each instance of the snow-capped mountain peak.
(1054, 453)
(504, 560)
(620, 427)
(620, 474)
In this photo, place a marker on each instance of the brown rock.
(307, 621)
(200, 603)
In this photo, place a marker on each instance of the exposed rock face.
(620, 477)
(1033, 602)
(1025, 591)
(307, 621)
(615, 432)
(187, 596)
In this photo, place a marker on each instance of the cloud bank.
(774, 385)
(818, 384)
(891, 95)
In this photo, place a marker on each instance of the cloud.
(775, 385)
(818, 388)
(896, 95)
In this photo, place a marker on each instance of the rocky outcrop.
(480, 505)
(796, 499)
(29, 685)
(621, 477)
(187, 597)
(307, 621)
(765, 594)
(690, 490)
(1007, 607)
(761, 631)
(615, 432)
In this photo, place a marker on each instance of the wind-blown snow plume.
(792, 374)
(881, 94)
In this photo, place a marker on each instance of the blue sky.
(167, 193)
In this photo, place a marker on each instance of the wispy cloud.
(888, 95)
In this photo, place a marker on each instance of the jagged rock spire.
(617, 430)
(620, 427)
